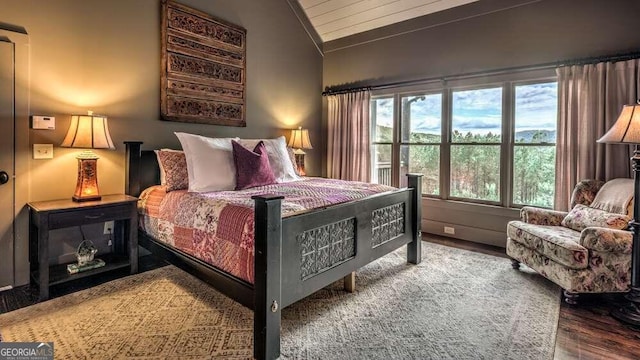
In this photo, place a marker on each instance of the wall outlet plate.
(42, 151)
(108, 227)
(449, 230)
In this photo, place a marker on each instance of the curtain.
(590, 98)
(348, 145)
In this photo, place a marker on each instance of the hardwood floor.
(586, 331)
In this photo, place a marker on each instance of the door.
(7, 119)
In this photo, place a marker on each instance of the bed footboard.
(298, 255)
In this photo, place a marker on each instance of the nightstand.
(50, 215)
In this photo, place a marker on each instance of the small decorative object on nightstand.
(57, 214)
(298, 141)
(85, 253)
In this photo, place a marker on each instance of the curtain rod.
(334, 90)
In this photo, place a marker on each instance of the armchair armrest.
(606, 240)
(540, 216)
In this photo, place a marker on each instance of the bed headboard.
(141, 168)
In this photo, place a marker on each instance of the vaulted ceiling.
(334, 19)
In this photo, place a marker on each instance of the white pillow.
(278, 155)
(209, 162)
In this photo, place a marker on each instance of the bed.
(283, 273)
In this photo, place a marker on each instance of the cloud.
(536, 97)
(480, 99)
(479, 110)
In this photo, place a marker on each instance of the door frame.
(20, 38)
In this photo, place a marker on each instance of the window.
(421, 134)
(476, 135)
(534, 152)
(492, 144)
(382, 140)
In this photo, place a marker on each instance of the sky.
(479, 111)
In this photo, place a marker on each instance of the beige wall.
(482, 36)
(105, 56)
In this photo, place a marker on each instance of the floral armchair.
(585, 250)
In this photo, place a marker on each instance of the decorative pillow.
(173, 169)
(162, 175)
(252, 167)
(279, 159)
(209, 162)
(582, 216)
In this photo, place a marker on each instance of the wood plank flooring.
(585, 332)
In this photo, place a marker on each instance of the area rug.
(456, 304)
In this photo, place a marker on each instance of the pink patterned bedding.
(217, 227)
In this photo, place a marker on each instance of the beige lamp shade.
(300, 139)
(626, 129)
(89, 132)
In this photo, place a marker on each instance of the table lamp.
(298, 141)
(626, 130)
(88, 132)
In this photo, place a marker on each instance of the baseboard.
(482, 236)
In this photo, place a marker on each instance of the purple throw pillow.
(252, 167)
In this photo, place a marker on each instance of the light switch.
(43, 122)
(43, 151)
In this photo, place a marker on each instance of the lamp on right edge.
(298, 141)
(626, 130)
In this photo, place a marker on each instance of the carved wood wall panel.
(203, 67)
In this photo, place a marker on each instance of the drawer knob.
(93, 217)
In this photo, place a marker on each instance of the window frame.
(394, 123)
(408, 143)
(450, 143)
(507, 82)
(513, 85)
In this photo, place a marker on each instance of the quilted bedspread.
(218, 227)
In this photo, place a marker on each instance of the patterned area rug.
(455, 305)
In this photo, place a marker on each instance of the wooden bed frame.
(297, 255)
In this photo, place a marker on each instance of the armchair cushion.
(540, 216)
(559, 243)
(581, 217)
(606, 240)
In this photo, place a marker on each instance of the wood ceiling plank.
(383, 16)
(407, 7)
(348, 11)
(305, 4)
(335, 6)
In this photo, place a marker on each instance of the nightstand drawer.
(87, 216)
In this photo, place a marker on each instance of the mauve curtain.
(348, 145)
(590, 98)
